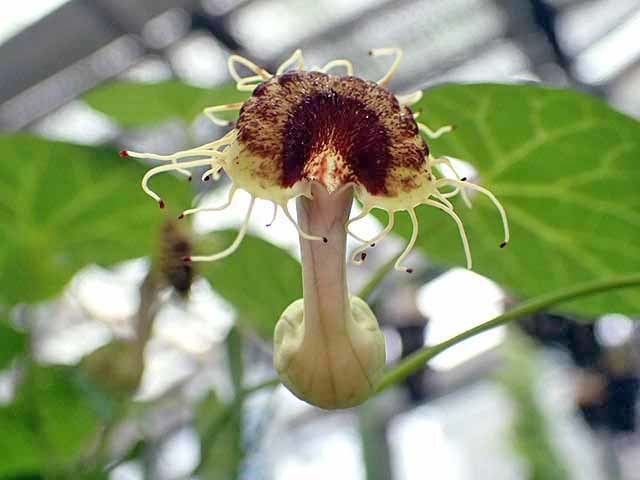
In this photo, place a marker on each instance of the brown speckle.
(314, 126)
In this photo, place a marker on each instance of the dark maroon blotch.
(327, 119)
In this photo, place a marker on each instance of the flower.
(324, 139)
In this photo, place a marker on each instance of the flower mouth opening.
(300, 127)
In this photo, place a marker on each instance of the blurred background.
(558, 401)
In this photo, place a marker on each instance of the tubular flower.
(324, 139)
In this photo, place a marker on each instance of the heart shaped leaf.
(566, 167)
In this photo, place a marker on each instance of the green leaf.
(23, 476)
(139, 104)
(63, 206)
(12, 343)
(260, 279)
(567, 169)
(66, 416)
(235, 355)
(220, 427)
(18, 452)
(50, 423)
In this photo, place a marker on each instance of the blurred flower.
(175, 245)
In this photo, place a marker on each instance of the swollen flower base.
(324, 139)
(329, 349)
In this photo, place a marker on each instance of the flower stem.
(417, 360)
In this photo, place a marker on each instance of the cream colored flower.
(325, 139)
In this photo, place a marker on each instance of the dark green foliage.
(12, 343)
(50, 423)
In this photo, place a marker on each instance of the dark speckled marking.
(295, 118)
(329, 120)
